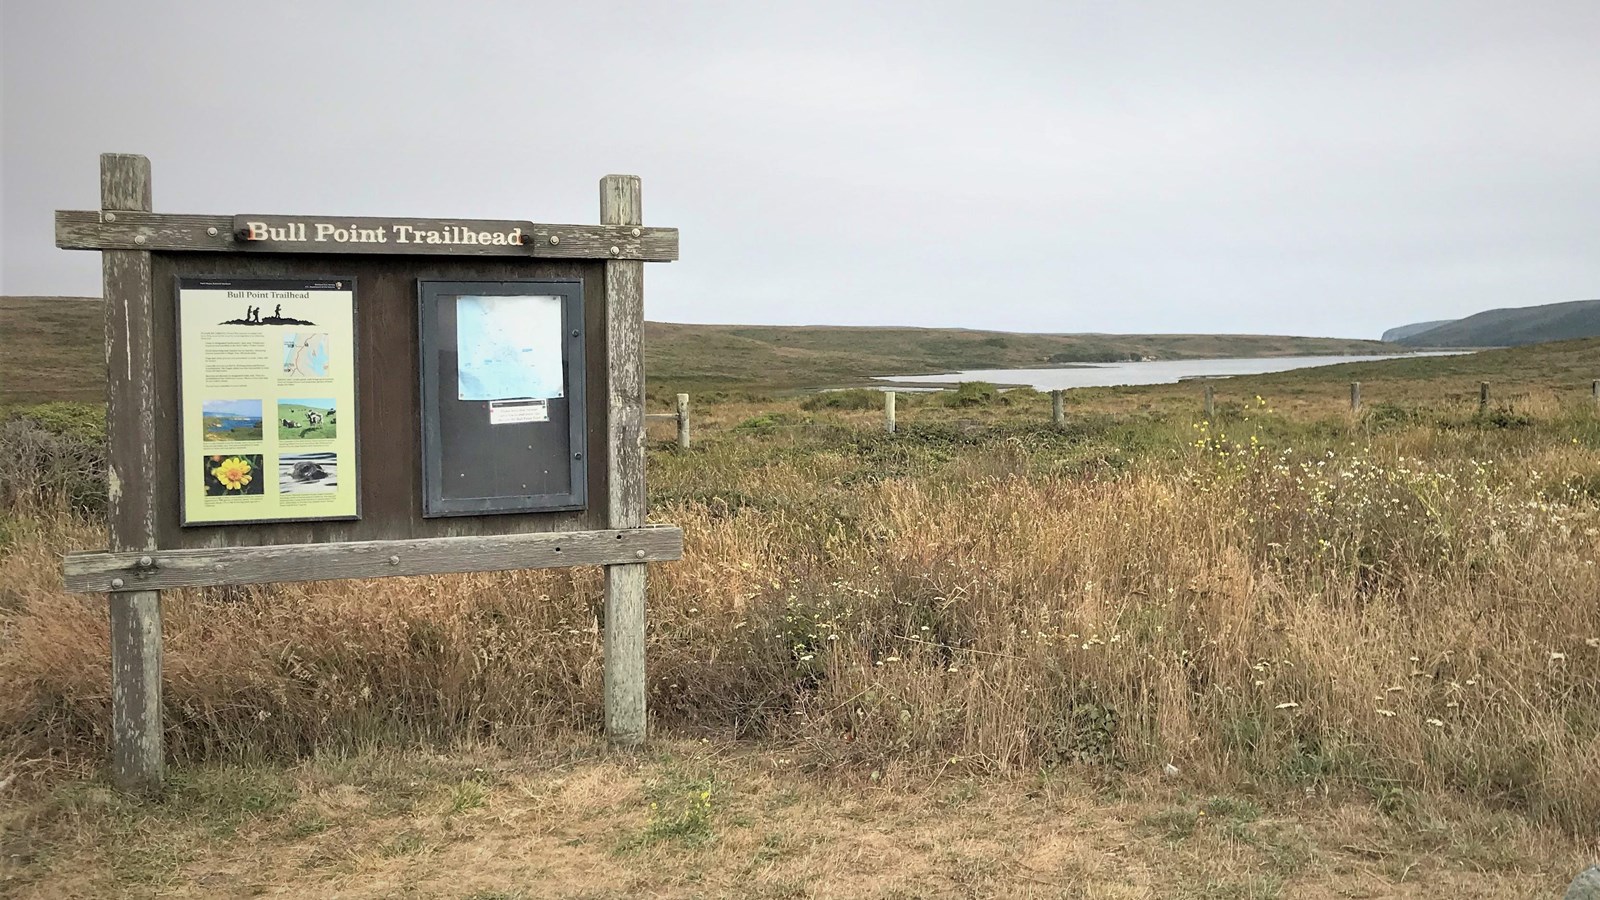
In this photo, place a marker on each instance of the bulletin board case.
(503, 389)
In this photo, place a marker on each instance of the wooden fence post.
(1058, 412)
(683, 421)
(1483, 397)
(621, 204)
(1355, 396)
(888, 411)
(1595, 390)
(1211, 402)
(137, 751)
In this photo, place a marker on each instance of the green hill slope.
(54, 349)
(1515, 327)
(1405, 331)
(55, 352)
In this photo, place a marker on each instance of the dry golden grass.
(1384, 629)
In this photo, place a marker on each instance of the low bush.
(854, 398)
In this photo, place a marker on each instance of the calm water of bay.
(1156, 372)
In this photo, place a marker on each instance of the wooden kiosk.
(297, 398)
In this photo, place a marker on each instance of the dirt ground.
(698, 819)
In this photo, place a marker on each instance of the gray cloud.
(1326, 169)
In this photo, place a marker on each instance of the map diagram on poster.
(305, 354)
(508, 347)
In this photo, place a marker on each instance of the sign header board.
(339, 234)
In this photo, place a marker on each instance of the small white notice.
(513, 412)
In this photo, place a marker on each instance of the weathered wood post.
(621, 204)
(1595, 390)
(1211, 402)
(1058, 412)
(683, 421)
(888, 411)
(137, 758)
(1355, 396)
(1483, 397)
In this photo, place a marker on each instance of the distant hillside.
(1405, 331)
(685, 357)
(54, 351)
(1515, 327)
(1570, 364)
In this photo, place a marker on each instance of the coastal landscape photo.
(232, 420)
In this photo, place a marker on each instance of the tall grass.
(1385, 605)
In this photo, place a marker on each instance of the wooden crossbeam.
(119, 230)
(152, 570)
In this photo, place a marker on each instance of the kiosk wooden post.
(543, 467)
(621, 204)
(136, 754)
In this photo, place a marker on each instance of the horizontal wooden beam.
(118, 230)
(162, 569)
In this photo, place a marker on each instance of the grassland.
(54, 350)
(62, 339)
(949, 662)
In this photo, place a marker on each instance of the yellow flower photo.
(233, 476)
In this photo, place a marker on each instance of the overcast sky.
(1301, 167)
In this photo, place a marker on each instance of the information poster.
(267, 378)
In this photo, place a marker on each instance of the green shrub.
(1019, 396)
(971, 393)
(77, 420)
(767, 422)
(62, 460)
(854, 398)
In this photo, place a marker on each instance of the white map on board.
(509, 347)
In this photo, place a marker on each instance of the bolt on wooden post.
(888, 411)
(1058, 412)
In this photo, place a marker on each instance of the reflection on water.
(1155, 372)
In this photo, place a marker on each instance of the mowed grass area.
(719, 818)
(949, 662)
